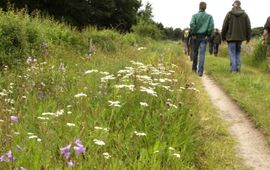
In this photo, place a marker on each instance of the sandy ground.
(252, 146)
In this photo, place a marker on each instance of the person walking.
(201, 26)
(236, 29)
(216, 37)
(186, 38)
(266, 39)
(211, 44)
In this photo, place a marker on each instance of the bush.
(259, 53)
(147, 29)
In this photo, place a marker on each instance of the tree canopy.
(120, 14)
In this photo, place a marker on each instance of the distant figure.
(211, 44)
(187, 39)
(236, 28)
(216, 37)
(201, 26)
(266, 39)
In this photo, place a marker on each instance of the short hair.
(202, 6)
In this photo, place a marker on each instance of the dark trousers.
(211, 47)
(215, 48)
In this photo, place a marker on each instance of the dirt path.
(252, 146)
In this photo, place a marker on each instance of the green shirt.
(202, 24)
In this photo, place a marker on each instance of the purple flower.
(79, 150)
(66, 151)
(70, 164)
(14, 118)
(78, 143)
(2, 158)
(10, 156)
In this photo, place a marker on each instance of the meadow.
(98, 99)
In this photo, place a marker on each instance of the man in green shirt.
(266, 39)
(201, 27)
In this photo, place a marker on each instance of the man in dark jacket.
(236, 28)
(201, 26)
(216, 38)
(266, 39)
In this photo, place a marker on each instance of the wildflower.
(66, 151)
(17, 133)
(106, 78)
(70, 164)
(99, 142)
(10, 155)
(69, 106)
(69, 112)
(39, 140)
(104, 73)
(141, 48)
(140, 133)
(144, 104)
(71, 124)
(90, 71)
(79, 148)
(3, 94)
(177, 155)
(2, 158)
(32, 137)
(106, 155)
(149, 91)
(22, 168)
(1, 120)
(114, 103)
(171, 148)
(101, 128)
(80, 95)
(156, 151)
(14, 118)
(43, 118)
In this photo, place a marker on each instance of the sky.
(178, 13)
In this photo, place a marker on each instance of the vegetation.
(106, 14)
(101, 100)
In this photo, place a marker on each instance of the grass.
(250, 88)
(120, 108)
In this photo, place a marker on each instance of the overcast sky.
(178, 13)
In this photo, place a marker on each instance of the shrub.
(147, 29)
(259, 53)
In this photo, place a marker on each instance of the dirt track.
(252, 146)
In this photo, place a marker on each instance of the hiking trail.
(251, 145)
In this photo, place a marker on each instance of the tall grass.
(131, 104)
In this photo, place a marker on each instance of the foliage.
(259, 53)
(118, 14)
(257, 32)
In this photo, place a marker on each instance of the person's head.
(216, 30)
(202, 6)
(236, 4)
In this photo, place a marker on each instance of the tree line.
(122, 15)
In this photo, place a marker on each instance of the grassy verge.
(250, 88)
(122, 107)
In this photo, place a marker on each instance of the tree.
(120, 14)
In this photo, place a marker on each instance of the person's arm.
(248, 29)
(192, 25)
(265, 31)
(225, 27)
(210, 27)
